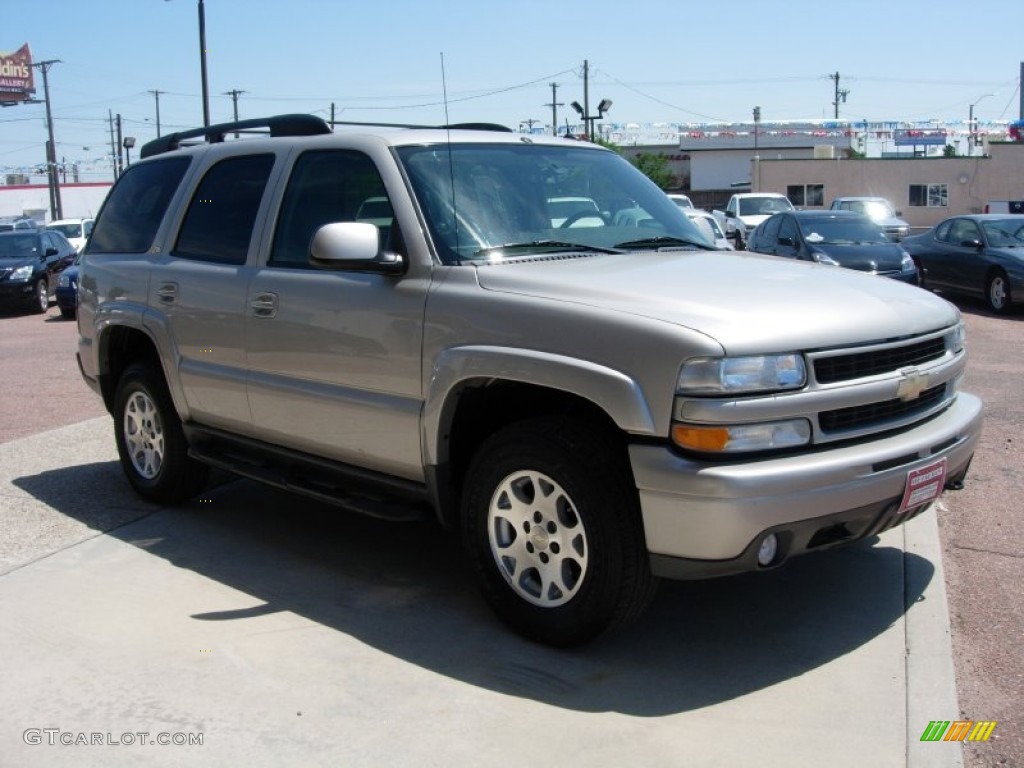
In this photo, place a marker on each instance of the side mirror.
(899, 213)
(51, 252)
(730, 214)
(972, 244)
(353, 245)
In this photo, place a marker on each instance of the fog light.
(769, 548)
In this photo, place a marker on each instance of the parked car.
(574, 212)
(709, 227)
(683, 201)
(746, 210)
(67, 290)
(77, 231)
(18, 224)
(980, 255)
(1004, 206)
(30, 260)
(840, 238)
(879, 209)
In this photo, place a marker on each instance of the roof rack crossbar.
(453, 126)
(279, 125)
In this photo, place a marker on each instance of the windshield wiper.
(554, 245)
(663, 240)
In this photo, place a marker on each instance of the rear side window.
(136, 205)
(219, 222)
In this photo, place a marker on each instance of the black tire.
(40, 296)
(150, 441)
(997, 292)
(920, 274)
(67, 314)
(557, 495)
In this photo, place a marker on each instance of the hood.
(753, 219)
(749, 303)
(876, 257)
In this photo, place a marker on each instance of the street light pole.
(756, 176)
(56, 209)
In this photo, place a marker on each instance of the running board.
(354, 489)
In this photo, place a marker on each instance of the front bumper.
(17, 291)
(708, 518)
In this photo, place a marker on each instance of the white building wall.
(77, 200)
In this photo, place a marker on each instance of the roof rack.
(453, 126)
(280, 125)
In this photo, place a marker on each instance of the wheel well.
(483, 407)
(119, 348)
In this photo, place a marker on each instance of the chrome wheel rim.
(538, 540)
(42, 295)
(997, 293)
(144, 435)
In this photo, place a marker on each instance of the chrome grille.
(828, 370)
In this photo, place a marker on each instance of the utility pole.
(588, 124)
(555, 104)
(332, 115)
(840, 94)
(529, 123)
(113, 146)
(234, 94)
(157, 95)
(56, 209)
(202, 64)
(120, 147)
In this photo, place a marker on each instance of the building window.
(806, 195)
(929, 195)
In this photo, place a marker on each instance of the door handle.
(167, 292)
(264, 305)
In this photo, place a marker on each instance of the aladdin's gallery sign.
(16, 81)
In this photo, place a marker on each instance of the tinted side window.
(128, 221)
(771, 229)
(788, 228)
(325, 187)
(220, 218)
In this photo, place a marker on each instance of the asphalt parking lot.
(286, 633)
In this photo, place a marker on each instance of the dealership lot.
(284, 632)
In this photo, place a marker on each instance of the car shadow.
(971, 305)
(404, 589)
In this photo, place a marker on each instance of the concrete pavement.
(285, 632)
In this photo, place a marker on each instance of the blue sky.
(678, 61)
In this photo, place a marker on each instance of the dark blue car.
(840, 238)
(67, 290)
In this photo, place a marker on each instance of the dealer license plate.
(924, 485)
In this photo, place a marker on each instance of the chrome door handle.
(167, 292)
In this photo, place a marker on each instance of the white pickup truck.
(746, 210)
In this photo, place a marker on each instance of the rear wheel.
(551, 522)
(997, 292)
(150, 441)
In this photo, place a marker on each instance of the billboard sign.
(919, 137)
(16, 81)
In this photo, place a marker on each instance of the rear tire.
(551, 522)
(150, 441)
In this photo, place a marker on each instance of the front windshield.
(854, 230)
(17, 246)
(876, 209)
(486, 202)
(1005, 233)
(763, 206)
(68, 230)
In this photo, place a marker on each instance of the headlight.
(956, 339)
(906, 262)
(733, 375)
(65, 281)
(824, 258)
(22, 273)
(741, 438)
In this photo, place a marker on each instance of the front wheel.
(551, 522)
(40, 296)
(997, 292)
(150, 441)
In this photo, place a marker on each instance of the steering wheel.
(584, 214)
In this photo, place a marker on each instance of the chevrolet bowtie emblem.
(912, 384)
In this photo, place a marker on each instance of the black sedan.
(840, 238)
(30, 261)
(981, 255)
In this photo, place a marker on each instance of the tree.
(949, 151)
(655, 167)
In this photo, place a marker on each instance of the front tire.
(150, 441)
(40, 296)
(997, 292)
(551, 523)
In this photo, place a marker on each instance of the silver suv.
(593, 401)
